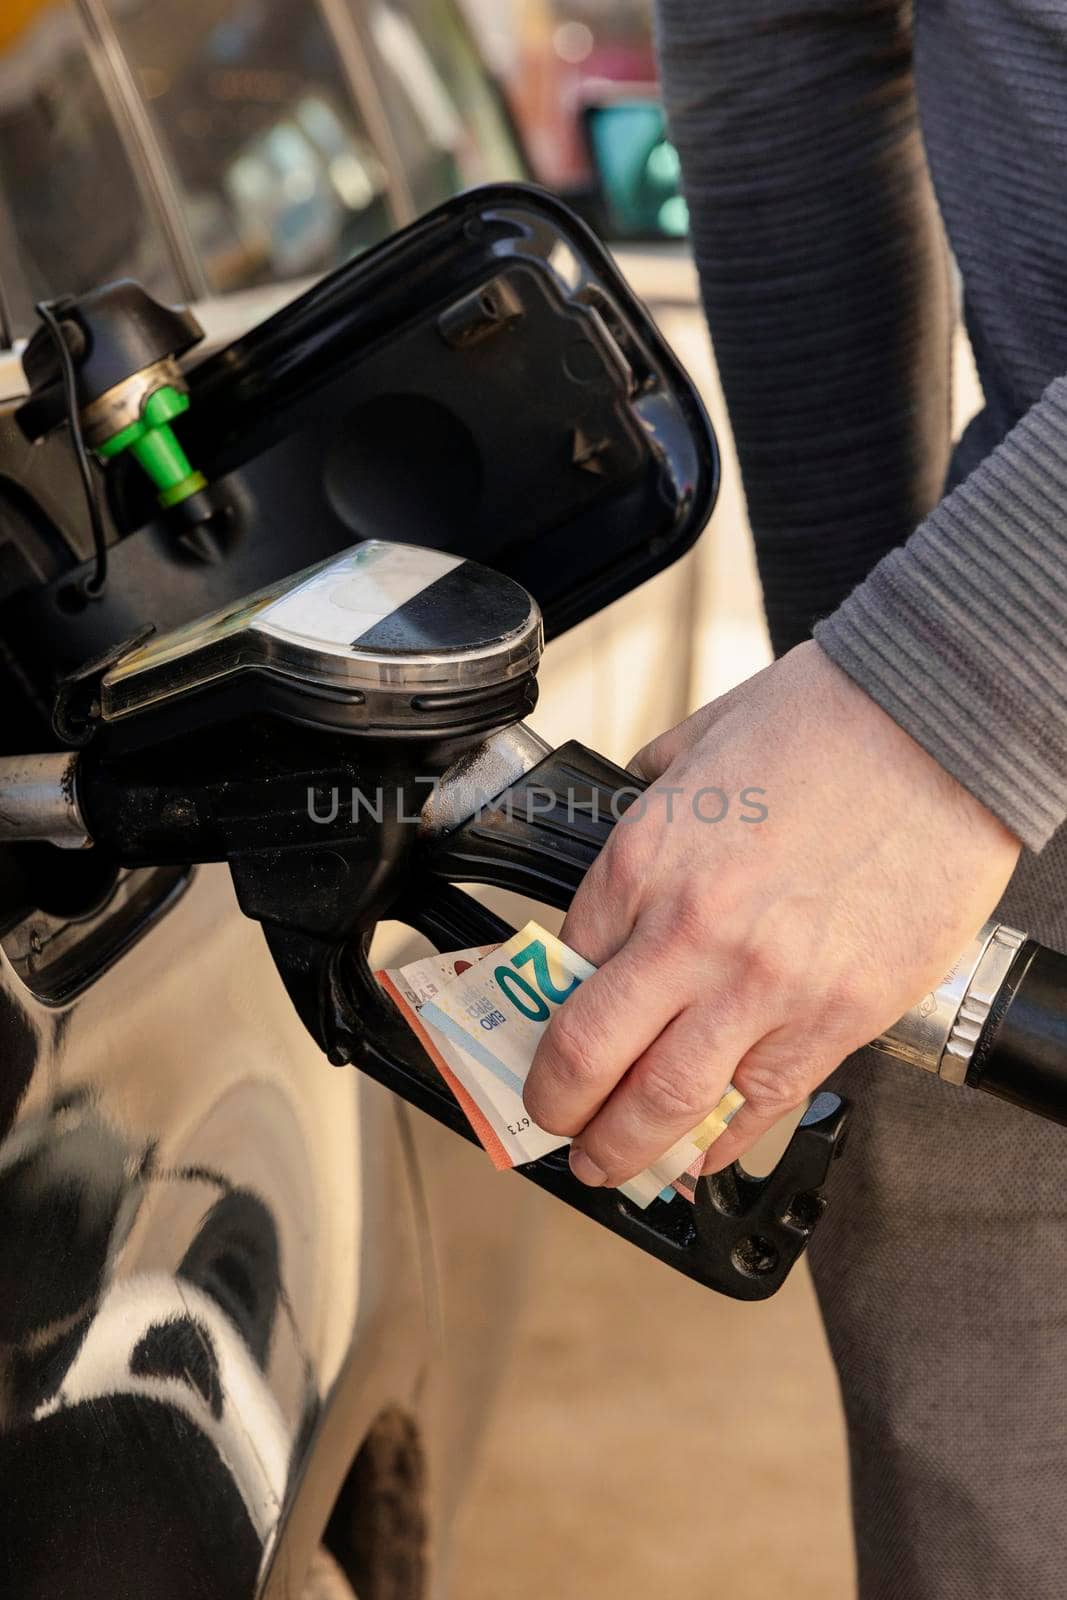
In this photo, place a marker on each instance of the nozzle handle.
(540, 836)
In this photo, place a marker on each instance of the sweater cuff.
(961, 634)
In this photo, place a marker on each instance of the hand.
(761, 952)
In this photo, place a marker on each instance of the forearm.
(823, 274)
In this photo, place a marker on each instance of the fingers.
(593, 1038)
(671, 1088)
(746, 1128)
(771, 1090)
(604, 910)
(653, 759)
(589, 927)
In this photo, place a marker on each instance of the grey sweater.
(809, 131)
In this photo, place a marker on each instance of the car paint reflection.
(182, 1263)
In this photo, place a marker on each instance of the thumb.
(653, 759)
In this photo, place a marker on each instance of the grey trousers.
(941, 1269)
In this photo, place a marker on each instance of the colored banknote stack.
(479, 1015)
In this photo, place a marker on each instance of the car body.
(252, 1305)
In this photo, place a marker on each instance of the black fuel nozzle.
(330, 738)
(351, 741)
(537, 836)
(401, 675)
(333, 739)
(517, 815)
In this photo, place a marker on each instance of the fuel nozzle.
(352, 742)
(295, 735)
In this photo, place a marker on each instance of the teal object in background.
(639, 170)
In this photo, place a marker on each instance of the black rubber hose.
(1021, 1053)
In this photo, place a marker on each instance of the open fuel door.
(484, 383)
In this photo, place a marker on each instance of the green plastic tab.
(153, 442)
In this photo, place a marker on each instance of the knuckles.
(571, 1044)
(772, 1088)
(693, 915)
(620, 870)
(667, 1095)
(564, 1072)
(609, 893)
(769, 969)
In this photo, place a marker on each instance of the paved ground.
(655, 1440)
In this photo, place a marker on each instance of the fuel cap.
(385, 638)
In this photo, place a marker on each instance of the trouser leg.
(941, 1268)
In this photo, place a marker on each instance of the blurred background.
(650, 1438)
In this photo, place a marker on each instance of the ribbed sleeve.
(961, 635)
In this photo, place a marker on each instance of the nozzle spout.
(39, 800)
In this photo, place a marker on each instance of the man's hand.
(759, 951)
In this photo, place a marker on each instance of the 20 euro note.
(494, 1014)
(490, 1099)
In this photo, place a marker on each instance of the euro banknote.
(492, 1107)
(481, 1021)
